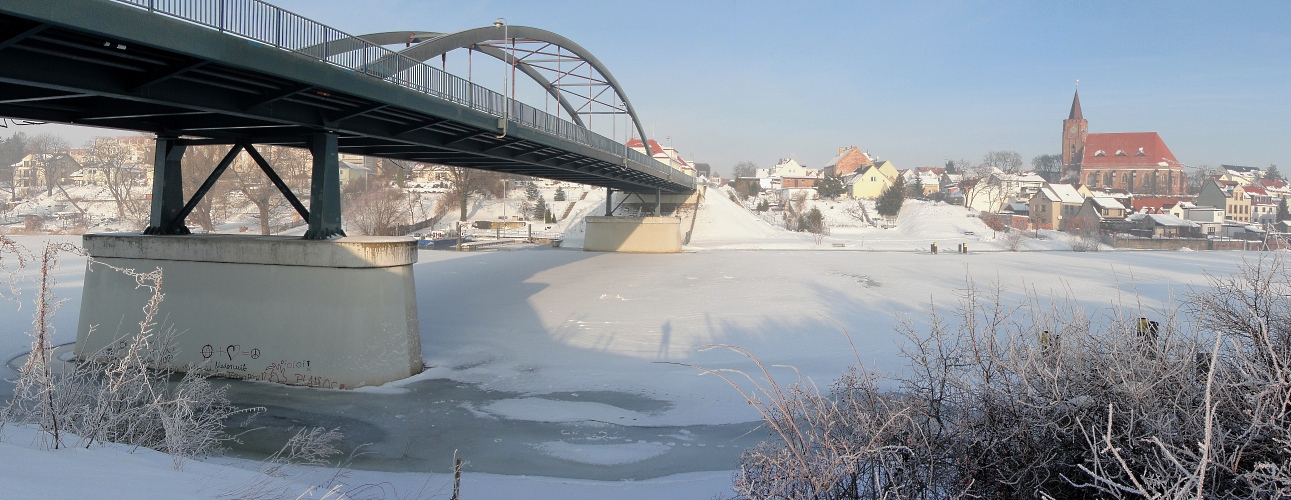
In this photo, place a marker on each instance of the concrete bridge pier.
(653, 233)
(335, 314)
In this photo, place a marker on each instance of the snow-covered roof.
(1165, 220)
(1107, 202)
(1062, 193)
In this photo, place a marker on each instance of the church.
(1136, 162)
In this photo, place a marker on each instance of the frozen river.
(561, 363)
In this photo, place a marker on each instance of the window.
(1120, 152)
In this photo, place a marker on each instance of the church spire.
(1075, 108)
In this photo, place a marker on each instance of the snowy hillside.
(726, 224)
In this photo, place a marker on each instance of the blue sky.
(912, 82)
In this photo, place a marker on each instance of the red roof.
(1127, 150)
(1255, 190)
(654, 146)
(1268, 183)
(1154, 204)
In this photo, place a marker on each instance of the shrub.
(116, 395)
(1032, 400)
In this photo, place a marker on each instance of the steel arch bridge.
(244, 72)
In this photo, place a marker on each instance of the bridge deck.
(106, 64)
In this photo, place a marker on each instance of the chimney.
(840, 150)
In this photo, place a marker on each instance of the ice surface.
(603, 454)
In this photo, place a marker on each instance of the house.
(1178, 209)
(1053, 204)
(1239, 231)
(929, 178)
(1105, 210)
(429, 174)
(1154, 204)
(1164, 226)
(870, 182)
(33, 170)
(351, 173)
(788, 167)
(666, 155)
(1229, 196)
(1264, 208)
(848, 160)
(94, 174)
(791, 186)
(1276, 189)
(1240, 174)
(1208, 219)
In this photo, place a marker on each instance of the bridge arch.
(431, 44)
(395, 37)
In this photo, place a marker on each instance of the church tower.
(1074, 129)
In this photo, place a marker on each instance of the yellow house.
(869, 182)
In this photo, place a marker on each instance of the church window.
(1093, 179)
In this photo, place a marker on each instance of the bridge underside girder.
(56, 74)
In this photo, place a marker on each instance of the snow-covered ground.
(725, 224)
(546, 364)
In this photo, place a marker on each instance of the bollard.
(963, 248)
(934, 248)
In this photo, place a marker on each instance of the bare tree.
(49, 149)
(468, 182)
(199, 162)
(113, 158)
(1048, 166)
(1007, 161)
(377, 211)
(291, 164)
(743, 169)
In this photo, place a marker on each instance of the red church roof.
(1127, 150)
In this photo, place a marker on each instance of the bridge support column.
(324, 189)
(167, 188)
(658, 202)
(609, 200)
(337, 314)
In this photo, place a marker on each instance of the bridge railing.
(270, 25)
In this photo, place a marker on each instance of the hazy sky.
(912, 82)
